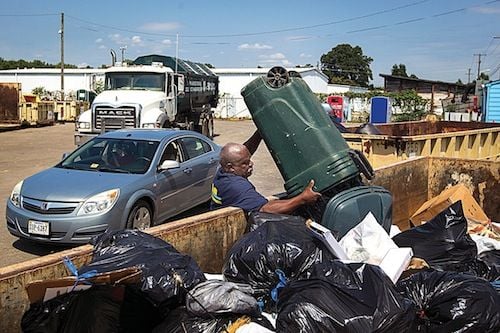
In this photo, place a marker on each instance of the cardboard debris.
(43, 290)
(432, 207)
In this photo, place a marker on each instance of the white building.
(231, 81)
(50, 78)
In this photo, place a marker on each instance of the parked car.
(122, 179)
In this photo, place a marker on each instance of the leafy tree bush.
(345, 64)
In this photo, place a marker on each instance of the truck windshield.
(135, 81)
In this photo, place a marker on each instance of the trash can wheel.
(277, 77)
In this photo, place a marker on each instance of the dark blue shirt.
(232, 190)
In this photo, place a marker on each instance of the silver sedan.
(122, 179)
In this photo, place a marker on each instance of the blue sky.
(435, 39)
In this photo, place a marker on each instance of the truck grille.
(114, 118)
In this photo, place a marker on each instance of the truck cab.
(154, 92)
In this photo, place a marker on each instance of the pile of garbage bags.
(279, 277)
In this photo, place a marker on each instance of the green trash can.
(303, 141)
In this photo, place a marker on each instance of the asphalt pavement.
(24, 152)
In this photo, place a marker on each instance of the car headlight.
(99, 203)
(83, 125)
(15, 196)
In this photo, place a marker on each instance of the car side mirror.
(64, 155)
(168, 164)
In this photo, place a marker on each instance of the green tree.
(39, 91)
(399, 70)
(411, 104)
(347, 65)
(99, 86)
(484, 77)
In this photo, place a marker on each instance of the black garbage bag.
(271, 254)
(443, 241)
(491, 258)
(138, 313)
(452, 302)
(337, 297)
(166, 273)
(96, 309)
(218, 297)
(367, 128)
(256, 219)
(338, 125)
(182, 321)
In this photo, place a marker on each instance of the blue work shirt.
(232, 190)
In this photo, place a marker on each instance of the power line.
(18, 15)
(262, 32)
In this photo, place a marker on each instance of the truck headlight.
(99, 203)
(15, 195)
(83, 125)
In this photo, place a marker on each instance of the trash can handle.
(362, 163)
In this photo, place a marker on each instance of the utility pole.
(479, 55)
(468, 75)
(61, 32)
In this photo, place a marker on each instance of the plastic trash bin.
(302, 140)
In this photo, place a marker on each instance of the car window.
(193, 147)
(171, 152)
(112, 155)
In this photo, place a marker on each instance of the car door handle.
(187, 170)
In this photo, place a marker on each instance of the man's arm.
(287, 206)
(253, 142)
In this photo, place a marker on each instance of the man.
(231, 186)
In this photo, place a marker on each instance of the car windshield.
(112, 155)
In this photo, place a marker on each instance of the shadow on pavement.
(37, 248)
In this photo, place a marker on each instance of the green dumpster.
(302, 140)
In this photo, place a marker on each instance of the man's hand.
(287, 206)
(309, 196)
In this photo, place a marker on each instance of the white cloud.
(102, 47)
(98, 40)
(118, 39)
(82, 65)
(486, 10)
(166, 42)
(136, 40)
(275, 56)
(275, 59)
(305, 55)
(161, 26)
(298, 38)
(255, 46)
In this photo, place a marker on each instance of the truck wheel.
(140, 216)
(207, 127)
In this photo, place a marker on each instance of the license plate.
(38, 228)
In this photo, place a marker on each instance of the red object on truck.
(337, 104)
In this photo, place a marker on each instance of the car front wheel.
(140, 216)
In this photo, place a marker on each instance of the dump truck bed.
(401, 141)
(207, 237)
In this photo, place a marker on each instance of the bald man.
(231, 186)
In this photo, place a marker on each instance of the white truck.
(154, 92)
